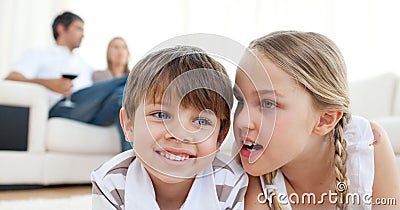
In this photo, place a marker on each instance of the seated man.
(97, 104)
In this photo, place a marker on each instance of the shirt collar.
(139, 190)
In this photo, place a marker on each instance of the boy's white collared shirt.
(122, 183)
(141, 195)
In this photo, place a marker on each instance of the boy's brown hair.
(185, 72)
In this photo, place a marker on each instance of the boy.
(177, 112)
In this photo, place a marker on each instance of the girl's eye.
(202, 122)
(161, 115)
(268, 104)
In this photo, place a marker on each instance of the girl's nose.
(243, 117)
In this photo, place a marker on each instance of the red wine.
(69, 76)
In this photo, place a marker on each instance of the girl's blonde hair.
(316, 63)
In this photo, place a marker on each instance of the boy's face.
(173, 142)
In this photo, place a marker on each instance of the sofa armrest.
(34, 97)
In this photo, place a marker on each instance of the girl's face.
(118, 52)
(274, 117)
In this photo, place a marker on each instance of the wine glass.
(69, 73)
(68, 102)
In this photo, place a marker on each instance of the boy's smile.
(176, 155)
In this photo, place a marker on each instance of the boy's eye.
(268, 104)
(161, 115)
(202, 122)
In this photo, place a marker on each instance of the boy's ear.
(327, 121)
(126, 124)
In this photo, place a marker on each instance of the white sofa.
(59, 151)
(62, 151)
(378, 99)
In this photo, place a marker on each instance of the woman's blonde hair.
(316, 63)
(126, 67)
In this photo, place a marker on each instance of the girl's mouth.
(250, 148)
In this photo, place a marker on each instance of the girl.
(297, 135)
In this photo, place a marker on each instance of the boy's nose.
(176, 131)
(170, 135)
(186, 131)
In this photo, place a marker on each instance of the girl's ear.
(327, 121)
(126, 124)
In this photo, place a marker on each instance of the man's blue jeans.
(98, 104)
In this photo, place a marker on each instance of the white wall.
(25, 24)
(366, 31)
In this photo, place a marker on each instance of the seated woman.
(117, 61)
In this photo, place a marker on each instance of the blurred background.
(366, 31)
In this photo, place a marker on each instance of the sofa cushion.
(70, 136)
(372, 98)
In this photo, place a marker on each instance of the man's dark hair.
(65, 19)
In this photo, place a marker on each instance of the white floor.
(78, 202)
